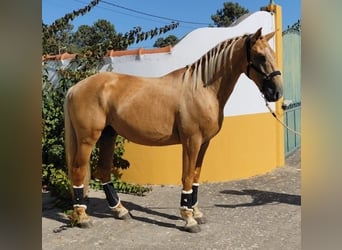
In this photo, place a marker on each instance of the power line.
(152, 15)
(125, 13)
(187, 27)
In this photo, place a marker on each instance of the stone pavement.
(262, 212)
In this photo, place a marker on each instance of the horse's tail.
(70, 141)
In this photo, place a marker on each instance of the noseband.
(251, 65)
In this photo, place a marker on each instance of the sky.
(192, 14)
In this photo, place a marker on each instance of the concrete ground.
(262, 212)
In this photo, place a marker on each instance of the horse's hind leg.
(79, 176)
(106, 145)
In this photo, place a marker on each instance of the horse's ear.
(256, 35)
(270, 35)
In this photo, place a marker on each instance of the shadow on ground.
(262, 198)
(98, 208)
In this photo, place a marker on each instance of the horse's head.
(261, 66)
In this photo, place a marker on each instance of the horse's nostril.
(277, 95)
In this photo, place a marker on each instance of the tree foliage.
(228, 14)
(97, 38)
(51, 33)
(163, 42)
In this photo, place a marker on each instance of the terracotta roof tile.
(112, 53)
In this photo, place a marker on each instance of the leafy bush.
(122, 186)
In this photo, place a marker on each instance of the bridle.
(251, 65)
(267, 78)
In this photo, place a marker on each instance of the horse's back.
(141, 109)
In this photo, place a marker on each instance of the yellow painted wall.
(245, 146)
(277, 10)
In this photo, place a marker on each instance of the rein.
(276, 117)
(251, 65)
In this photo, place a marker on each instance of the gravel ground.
(262, 212)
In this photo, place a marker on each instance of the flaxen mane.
(213, 62)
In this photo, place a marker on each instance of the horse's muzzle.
(272, 95)
(271, 88)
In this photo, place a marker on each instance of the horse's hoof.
(125, 217)
(79, 218)
(201, 220)
(193, 229)
(85, 224)
(121, 213)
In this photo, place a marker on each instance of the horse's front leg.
(198, 215)
(188, 197)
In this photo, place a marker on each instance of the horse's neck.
(231, 67)
(218, 70)
(224, 87)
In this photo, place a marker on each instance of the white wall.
(245, 99)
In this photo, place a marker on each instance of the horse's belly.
(149, 138)
(152, 133)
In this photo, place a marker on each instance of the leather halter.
(251, 65)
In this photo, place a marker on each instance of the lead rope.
(275, 116)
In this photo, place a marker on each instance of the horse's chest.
(210, 125)
(206, 116)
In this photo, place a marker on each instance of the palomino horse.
(182, 107)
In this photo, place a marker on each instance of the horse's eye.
(261, 58)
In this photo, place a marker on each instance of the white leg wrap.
(115, 205)
(80, 205)
(81, 186)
